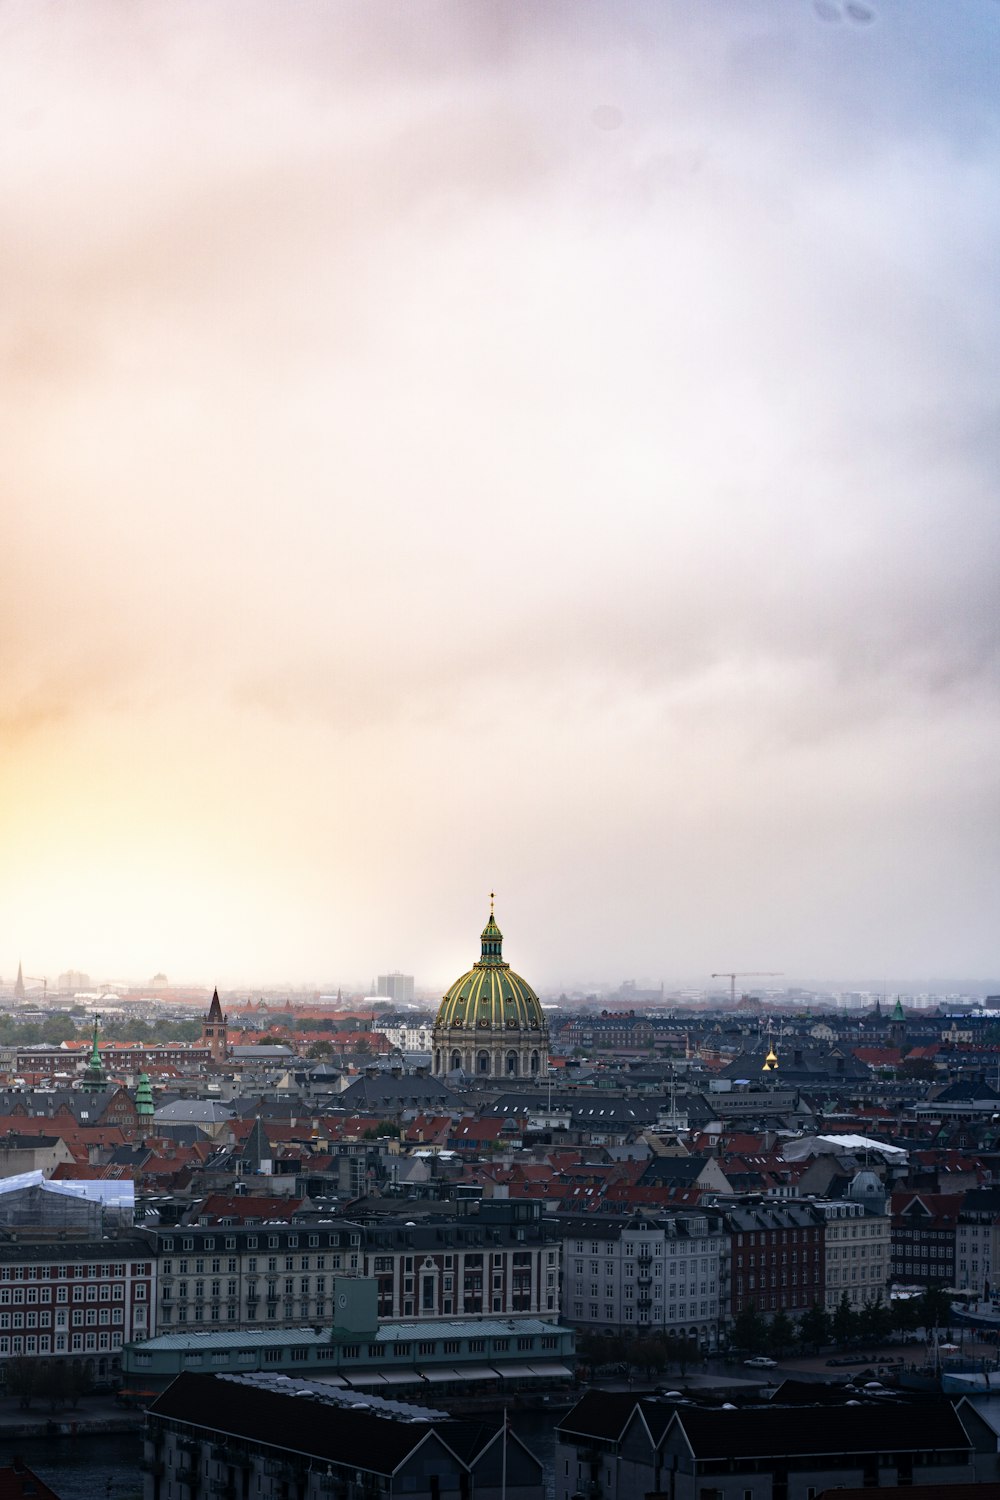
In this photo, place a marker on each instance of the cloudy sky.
(549, 447)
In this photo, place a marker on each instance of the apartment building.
(924, 1237)
(77, 1299)
(857, 1249)
(662, 1273)
(500, 1261)
(777, 1257)
(977, 1241)
(215, 1277)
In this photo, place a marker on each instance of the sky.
(547, 448)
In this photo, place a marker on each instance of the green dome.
(491, 997)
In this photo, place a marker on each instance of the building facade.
(396, 987)
(857, 1252)
(502, 1261)
(777, 1257)
(619, 1448)
(398, 1359)
(662, 1274)
(79, 1300)
(924, 1236)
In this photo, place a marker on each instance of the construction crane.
(745, 974)
(37, 979)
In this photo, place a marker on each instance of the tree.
(903, 1314)
(845, 1322)
(23, 1379)
(917, 1068)
(749, 1330)
(781, 1334)
(934, 1308)
(815, 1327)
(875, 1320)
(79, 1382)
(320, 1049)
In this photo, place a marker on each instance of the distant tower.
(214, 1030)
(19, 982)
(95, 1079)
(144, 1100)
(897, 1027)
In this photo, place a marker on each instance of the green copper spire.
(897, 1013)
(94, 1077)
(492, 941)
(144, 1097)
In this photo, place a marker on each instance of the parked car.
(761, 1362)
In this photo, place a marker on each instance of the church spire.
(492, 940)
(94, 1077)
(19, 982)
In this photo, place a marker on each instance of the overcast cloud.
(543, 447)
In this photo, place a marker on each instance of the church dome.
(491, 998)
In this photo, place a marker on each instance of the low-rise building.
(619, 1447)
(403, 1360)
(271, 1438)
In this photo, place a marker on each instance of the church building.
(215, 1031)
(490, 1023)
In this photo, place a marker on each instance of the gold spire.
(493, 897)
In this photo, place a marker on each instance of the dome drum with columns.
(490, 1023)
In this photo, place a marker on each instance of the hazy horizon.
(547, 449)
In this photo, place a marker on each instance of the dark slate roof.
(587, 1109)
(823, 1430)
(673, 1169)
(341, 1435)
(965, 1090)
(599, 1414)
(385, 1091)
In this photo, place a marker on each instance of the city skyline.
(453, 448)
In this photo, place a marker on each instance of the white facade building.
(642, 1274)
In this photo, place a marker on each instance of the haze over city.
(549, 449)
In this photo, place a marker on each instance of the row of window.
(70, 1269)
(676, 1311)
(106, 1292)
(274, 1241)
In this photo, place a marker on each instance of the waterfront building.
(857, 1244)
(777, 1257)
(406, 1360)
(645, 1274)
(620, 1447)
(502, 1259)
(271, 1438)
(79, 1300)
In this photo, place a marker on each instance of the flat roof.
(389, 1333)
